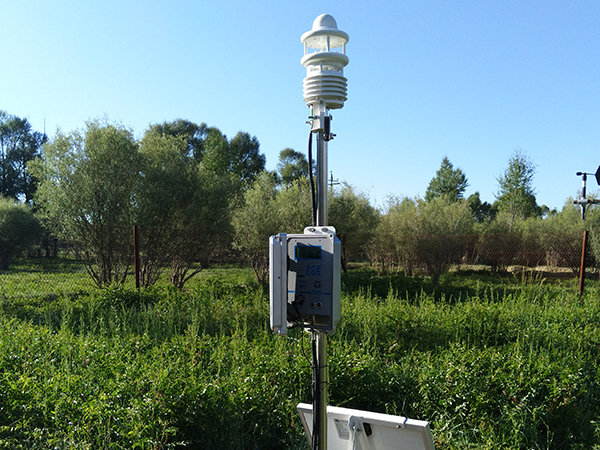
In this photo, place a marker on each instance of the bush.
(19, 230)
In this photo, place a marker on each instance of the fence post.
(582, 269)
(136, 255)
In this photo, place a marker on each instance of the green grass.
(490, 363)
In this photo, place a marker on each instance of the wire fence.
(553, 255)
(556, 255)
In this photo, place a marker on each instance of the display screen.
(307, 252)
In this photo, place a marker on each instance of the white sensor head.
(325, 81)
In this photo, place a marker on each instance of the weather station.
(305, 269)
(583, 201)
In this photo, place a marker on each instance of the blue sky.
(472, 80)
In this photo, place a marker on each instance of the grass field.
(489, 362)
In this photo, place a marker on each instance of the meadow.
(490, 362)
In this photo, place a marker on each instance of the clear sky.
(472, 80)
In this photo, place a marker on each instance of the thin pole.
(322, 182)
(582, 268)
(136, 255)
(320, 366)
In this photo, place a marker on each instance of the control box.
(305, 271)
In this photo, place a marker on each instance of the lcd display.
(307, 252)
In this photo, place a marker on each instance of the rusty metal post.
(582, 268)
(136, 255)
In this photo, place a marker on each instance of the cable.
(312, 180)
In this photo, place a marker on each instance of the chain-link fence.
(558, 254)
(554, 255)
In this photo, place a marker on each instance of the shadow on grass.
(455, 286)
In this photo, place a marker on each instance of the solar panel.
(353, 429)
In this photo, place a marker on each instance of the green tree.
(292, 165)
(268, 209)
(19, 230)
(516, 195)
(425, 234)
(86, 193)
(294, 205)
(19, 144)
(355, 221)
(448, 182)
(393, 243)
(246, 161)
(216, 152)
(193, 134)
(257, 218)
(441, 230)
(183, 211)
(482, 211)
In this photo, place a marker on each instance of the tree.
(355, 221)
(516, 195)
(183, 211)
(447, 182)
(193, 134)
(239, 158)
(393, 244)
(19, 144)
(440, 230)
(19, 229)
(292, 165)
(268, 209)
(482, 212)
(246, 162)
(431, 235)
(255, 220)
(86, 193)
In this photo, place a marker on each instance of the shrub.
(19, 230)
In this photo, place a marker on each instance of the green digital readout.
(307, 252)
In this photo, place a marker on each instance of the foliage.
(239, 158)
(497, 366)
(19, 230)
(294, 203)
(292, 166)
(19, 144)
(483, 212)
(516, 195)
(193, 134)
(254, 221)
(355, 221)
(268, 210)
(86, 193)
(181, 210)
(448, 182)
(439, 230)
(417, 233)
(246, 162)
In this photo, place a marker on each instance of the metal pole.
(582, 268)
(136, 255)
(583, 194)
(320, 367)
(322, 197)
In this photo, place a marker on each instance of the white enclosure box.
(305, 285)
